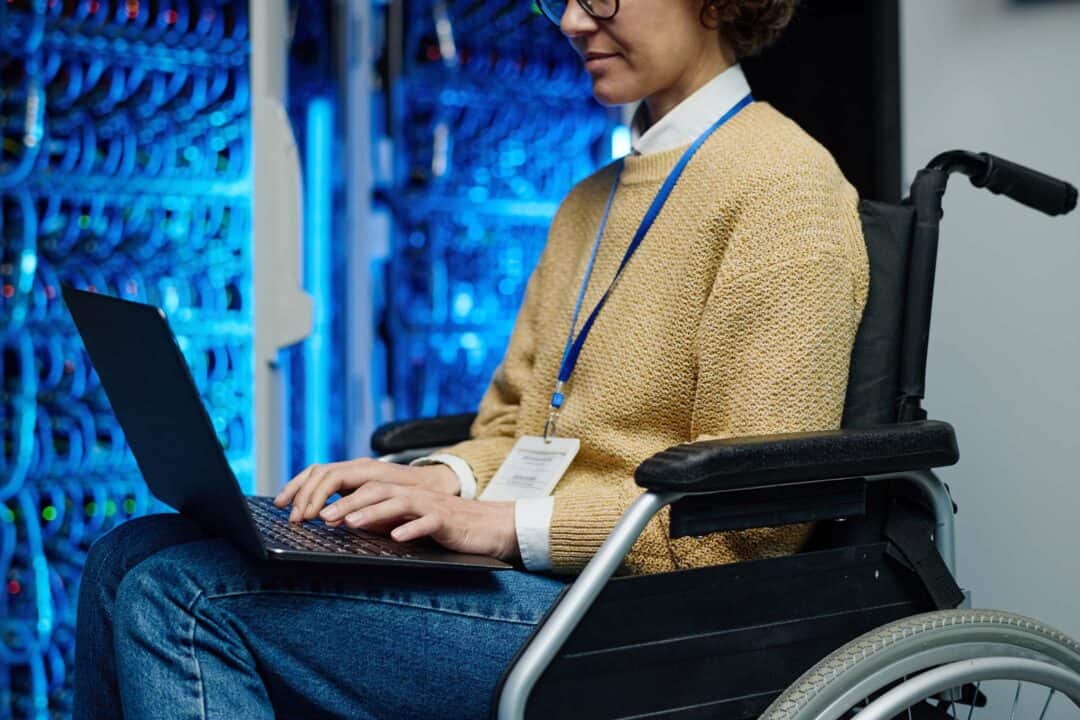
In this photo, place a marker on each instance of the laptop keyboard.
(314, 536)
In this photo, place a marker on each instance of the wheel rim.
(853, 676)
(946, 677)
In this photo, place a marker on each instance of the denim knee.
(113, 554)
(144, 591)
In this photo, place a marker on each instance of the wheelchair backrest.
(873, 391)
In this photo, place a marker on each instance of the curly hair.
(749, 26)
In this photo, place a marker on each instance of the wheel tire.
(883, 656)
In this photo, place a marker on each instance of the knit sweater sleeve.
(773, 347)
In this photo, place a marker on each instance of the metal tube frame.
(577, 601)
(550, 638)
(937, 494)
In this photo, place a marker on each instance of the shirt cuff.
(461, 468)
(532, 520)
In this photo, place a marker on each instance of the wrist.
(443, 479)
(511, 551)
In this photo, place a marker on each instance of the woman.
(734, 314)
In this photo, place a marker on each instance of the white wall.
(1004, 367)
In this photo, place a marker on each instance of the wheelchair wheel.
(932, 665)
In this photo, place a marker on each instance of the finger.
(286, 493)
(328, 483)
(347, 475)
(358, 499)
(420, 527)
(300, 500)
(398, 507)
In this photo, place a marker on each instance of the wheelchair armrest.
(744, 463)
(421, 433)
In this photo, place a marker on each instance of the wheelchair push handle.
(1004, 177)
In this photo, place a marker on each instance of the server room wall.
(124, 169)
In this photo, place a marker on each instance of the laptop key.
(273, 522)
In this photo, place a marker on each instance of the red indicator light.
(13, 586)
(94, 6)
(171, 16)
(50, 292)
(8, 291)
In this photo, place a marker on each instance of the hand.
(467, 526)
(309, 490)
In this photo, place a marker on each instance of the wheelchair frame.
(902, 450)
(572, 608)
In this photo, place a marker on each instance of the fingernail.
(354, 518)
(292, 515)
(330, 512)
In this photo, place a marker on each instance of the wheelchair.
(876, 579)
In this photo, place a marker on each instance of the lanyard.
(574, 345)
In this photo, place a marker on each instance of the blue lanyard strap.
(574, 345)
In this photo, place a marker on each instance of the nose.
(576, 22)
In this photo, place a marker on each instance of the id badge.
(533, 468)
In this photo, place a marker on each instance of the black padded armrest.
(421, 433)
(761, 460)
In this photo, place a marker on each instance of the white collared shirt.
(681, 126)
(685, 122)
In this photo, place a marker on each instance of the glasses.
(600, 9)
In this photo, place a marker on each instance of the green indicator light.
(49, 513)
(129, 506)
(110, 508)
(91, 508)
(84, 221)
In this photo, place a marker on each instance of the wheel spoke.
(974, 699)
(1046, 704)
(1016, 701)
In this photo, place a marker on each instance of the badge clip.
(549, 426)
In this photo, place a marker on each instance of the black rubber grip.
(741, 463)
(1027, 186)
(421, 433)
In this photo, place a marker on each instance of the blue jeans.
(174, 625)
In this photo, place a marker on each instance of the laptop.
(154, 396)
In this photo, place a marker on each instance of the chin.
(608, 92)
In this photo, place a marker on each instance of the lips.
(598, 56)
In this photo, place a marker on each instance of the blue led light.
(29, 263)
(318, 207)
(620, 141)
(463, 304)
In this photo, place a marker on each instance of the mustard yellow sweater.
(735, 317)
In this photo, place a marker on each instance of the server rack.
(125, 168)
